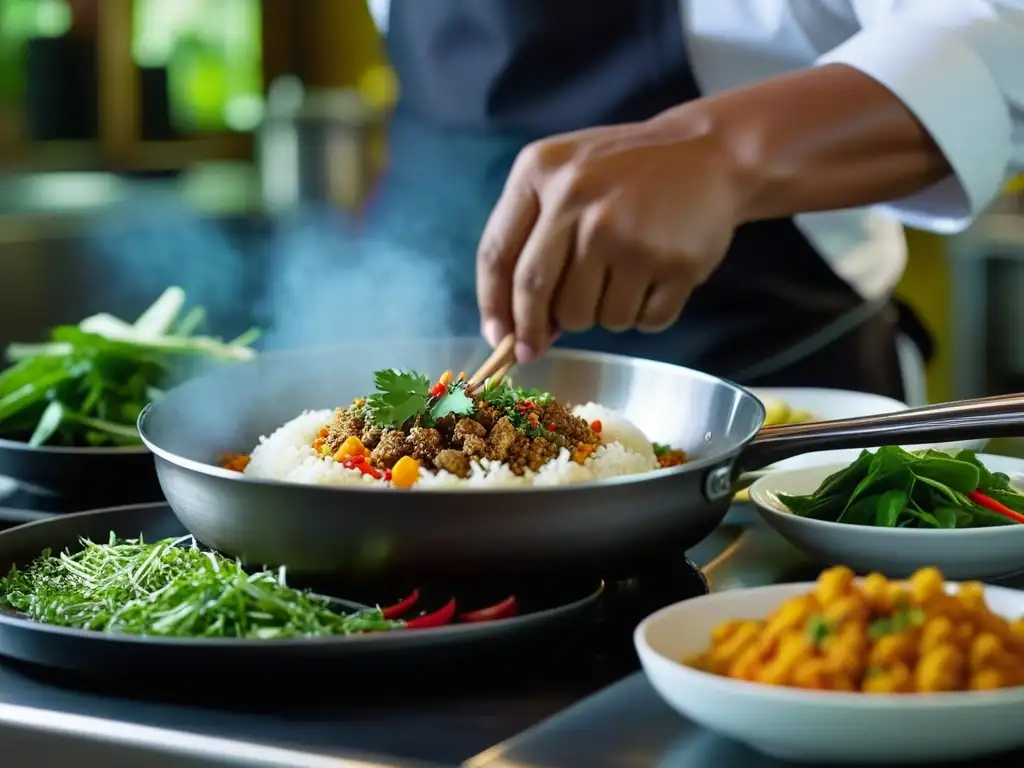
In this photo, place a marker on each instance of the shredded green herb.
(172, 588)
(661, 450)
(88, 384)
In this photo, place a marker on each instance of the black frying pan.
(547, 610)
(88, 477)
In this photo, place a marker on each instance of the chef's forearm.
(821, 139)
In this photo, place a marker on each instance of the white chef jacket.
(958, 65)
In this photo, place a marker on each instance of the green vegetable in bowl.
(87, 385)
(895, 488)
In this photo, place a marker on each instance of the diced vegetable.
(351, 447)
(405, 473)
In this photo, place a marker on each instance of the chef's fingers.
(623, 298)
(579, 295)
(664, 304)
(537, 276)
(507, 231)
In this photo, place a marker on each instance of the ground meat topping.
(522, 429)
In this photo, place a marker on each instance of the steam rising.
(325, 283)
(307, 279)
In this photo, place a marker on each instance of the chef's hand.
(610, 226)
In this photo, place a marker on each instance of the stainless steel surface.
(601, 526)
(358, 530)
(315, 146)
(33, 738)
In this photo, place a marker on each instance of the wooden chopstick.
(497, 366)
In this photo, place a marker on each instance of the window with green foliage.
(212, 53)
(21, 21)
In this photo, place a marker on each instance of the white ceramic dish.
(974, 553)
(829, 404)
(826, 405)
(818, 726)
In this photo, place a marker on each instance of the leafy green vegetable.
(400, 397)
(894, 488)
(403, 396)
(172, 588)
(507, 399)
(88, 384)
(453, 402)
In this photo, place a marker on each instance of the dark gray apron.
(482, 78)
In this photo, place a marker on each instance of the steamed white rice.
(288, 455)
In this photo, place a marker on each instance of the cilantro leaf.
(400, 396)
(453, 402)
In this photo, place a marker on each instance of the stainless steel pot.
(607, 526)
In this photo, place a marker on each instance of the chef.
(716, 183)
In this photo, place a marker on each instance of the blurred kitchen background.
(145, 142)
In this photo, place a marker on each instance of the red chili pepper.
(387, 475)
(402, 607)
(438, 389)
(596, 425)
(506, 609)
(438, 618)
(992, 505)
(551, 427)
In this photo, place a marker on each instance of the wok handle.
(987, 417)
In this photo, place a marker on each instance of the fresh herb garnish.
(88, 384)
(454, 402)
(400, 396)
(895, 488)
(403, 396)
(172, 588)
(818, 629)
(661, 450)
(517, 404)
(900, 621)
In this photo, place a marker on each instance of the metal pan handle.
(988, 417)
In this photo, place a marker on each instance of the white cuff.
(951, 92)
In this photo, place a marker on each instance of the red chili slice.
(438, 618)
(402, 607)
(506, 609)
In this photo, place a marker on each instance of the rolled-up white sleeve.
(958, 65)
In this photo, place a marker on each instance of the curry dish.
(874, 636)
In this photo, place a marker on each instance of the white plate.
(829, 404)
(971, 553)
(821, 726)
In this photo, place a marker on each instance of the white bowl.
(970, 553)
(829, 404)
(820, 726)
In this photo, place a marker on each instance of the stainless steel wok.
(606, 526)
